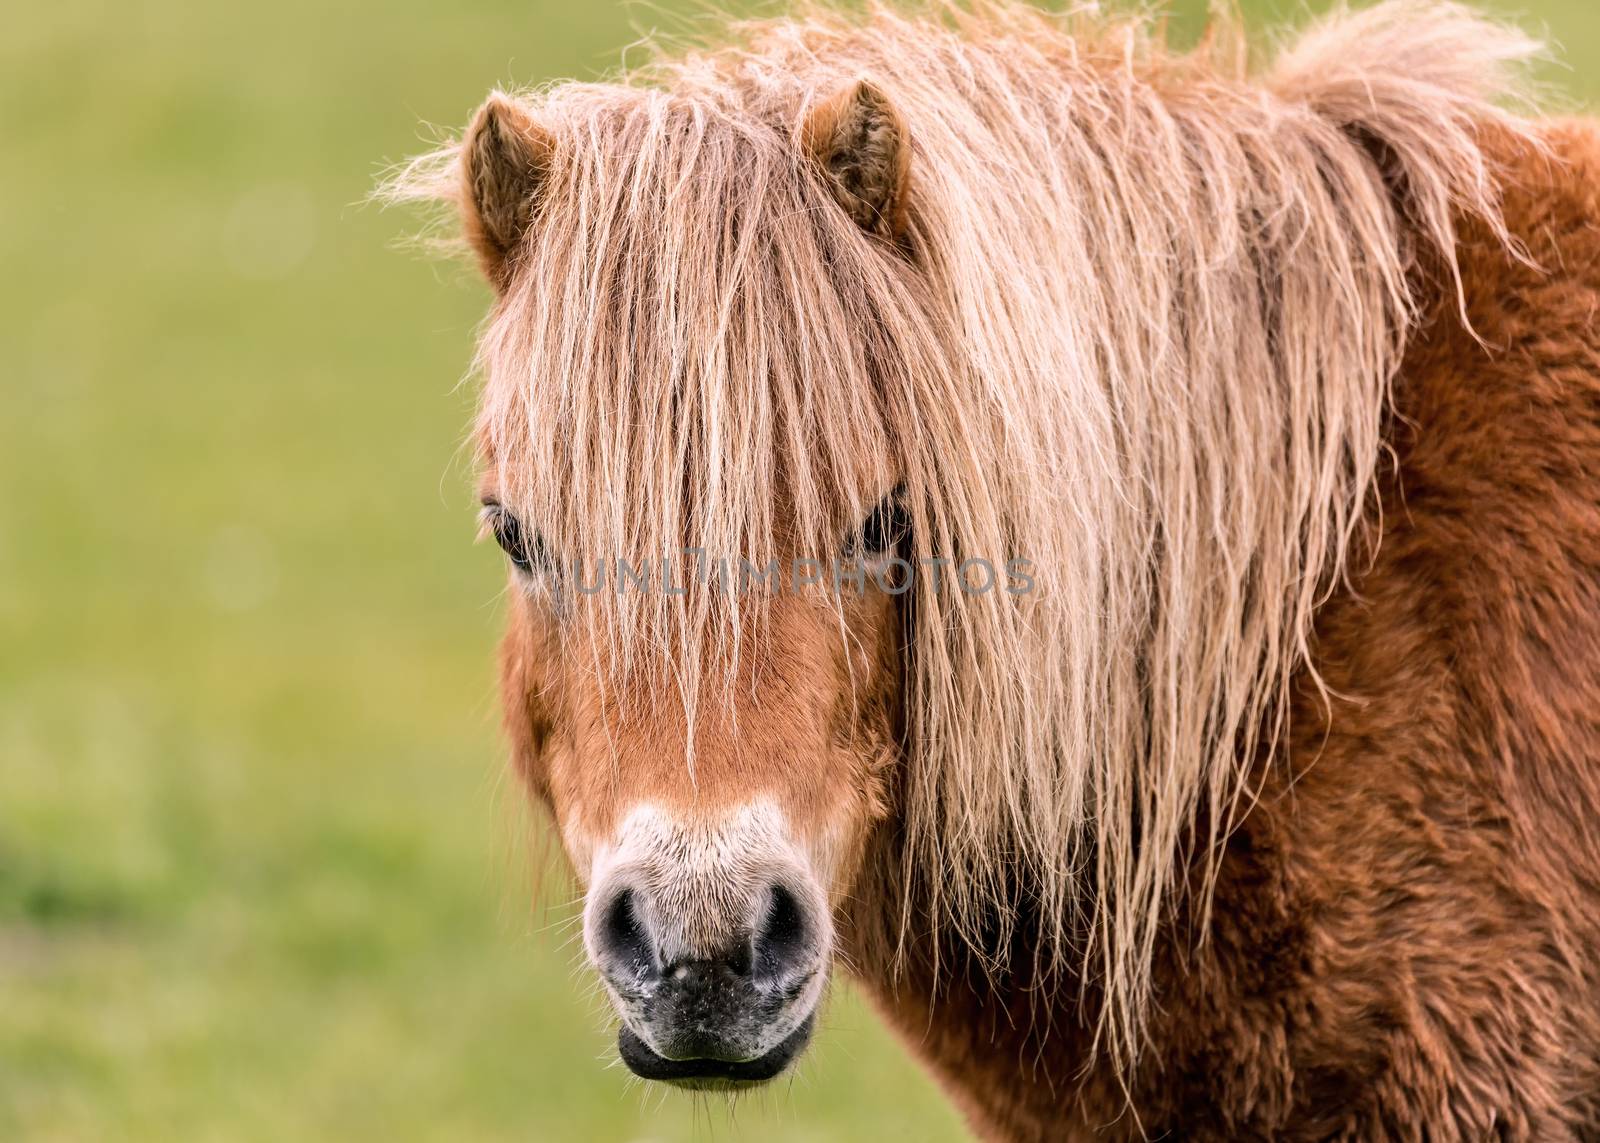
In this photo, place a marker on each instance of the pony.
(1098, 541)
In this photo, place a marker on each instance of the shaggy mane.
(1142, 334)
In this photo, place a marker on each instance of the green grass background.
(260, 875)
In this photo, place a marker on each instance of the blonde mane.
(1142, 334)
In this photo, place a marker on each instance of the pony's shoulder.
(1576, 139)
(1552, 196)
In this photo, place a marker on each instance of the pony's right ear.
(505, 156)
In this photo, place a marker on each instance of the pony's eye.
(527, 553)
(883, 531)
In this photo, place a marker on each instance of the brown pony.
(1103, 543)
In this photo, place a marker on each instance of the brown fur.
(1403, 943)
(561, 716)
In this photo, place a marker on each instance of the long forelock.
(1144, 338)
(690, 358)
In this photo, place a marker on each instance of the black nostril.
(742, 959)
(623, 937)
(781, 938)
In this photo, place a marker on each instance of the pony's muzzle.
(709, 1000)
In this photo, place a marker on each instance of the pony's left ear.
(864, 149)
(505, 156)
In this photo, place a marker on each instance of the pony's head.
(1037, 290)
(690, 465)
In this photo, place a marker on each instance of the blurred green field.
(260, 875)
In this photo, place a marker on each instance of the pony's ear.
(862, 145)
(504, 157)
